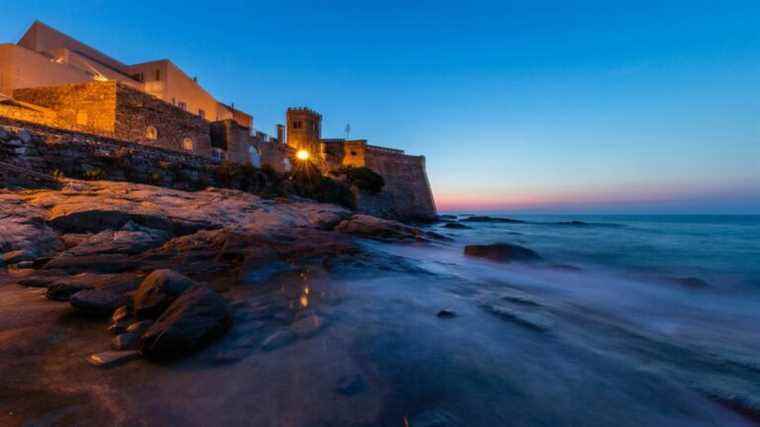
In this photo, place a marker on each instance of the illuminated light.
(302, 155)
(304, 300)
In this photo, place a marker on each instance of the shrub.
(307, 181)
(364, 179)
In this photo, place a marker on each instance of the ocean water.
(601, 333)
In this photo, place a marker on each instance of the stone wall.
(86, 107)
(30, 152)
(407, 194)
(137, 111)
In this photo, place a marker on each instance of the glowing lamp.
(302, 155)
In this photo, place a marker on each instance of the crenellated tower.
(304, 130)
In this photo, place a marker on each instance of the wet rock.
(157, 292)
(22, 264)
(351, 385)
(120, 327)
(15, 257)
(98, 302)
(61, 288)
(456, 226)
(101, 263)
(476, 218)
(140, 327)
(125, 341)
(110, 359)
(63, 291)
(502, 252)
(383, 229)
(278, 339)
(446, 314)
(122, 314)
(130, 239)
(196, 318)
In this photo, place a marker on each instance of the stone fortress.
(51, 80)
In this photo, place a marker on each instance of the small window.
(297, 125)
(217, 154)
(187, 144)
(202, 114)
(158, 74)
(151, 133)
(353, 153)
(182, 106)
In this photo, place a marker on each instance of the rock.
(278, 339)
(125, 341)
(140, 327)
(122, 314)
(456, 226)
(15, 257)
(446, 314)
(25, 136)
(23, 227)
(350, 385)
(502, 252)
(110, 359)
(383, 229)
(22, 264)
(119, 327)
(476, 218)
(64, 291)
(98, 302)
(193, 320)
(157, 292)
(62, 288)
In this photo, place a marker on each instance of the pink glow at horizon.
(597, 198)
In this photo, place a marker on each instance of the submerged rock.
(157, 292)
(456, 226)
(502, 252)
(196, 318)
(446, 314)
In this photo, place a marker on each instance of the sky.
(519, 106)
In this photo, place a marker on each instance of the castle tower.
(304, 130)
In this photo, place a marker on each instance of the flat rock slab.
(109, 359)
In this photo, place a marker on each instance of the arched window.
(255, 157)
(187, 144)
(151, 133)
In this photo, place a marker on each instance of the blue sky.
(549, 106)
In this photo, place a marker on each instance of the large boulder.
(192, 321)
(157, 292)
(502, 252)
(98, 302)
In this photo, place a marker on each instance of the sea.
(627, 321)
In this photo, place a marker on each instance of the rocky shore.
(158, 261)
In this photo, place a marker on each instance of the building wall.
(87, 107)
(304, 130)
(137, 111)
(234, 139)
(407, 194)
(23, 68)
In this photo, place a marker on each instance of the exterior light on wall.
(302, 155)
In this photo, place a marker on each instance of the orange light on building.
(302, 155)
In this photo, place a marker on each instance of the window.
(254, 156)
(158, 74)
(217, 154)
(182, 105)
(353, 153)
(151, 133)
(187, 144)
(297, 125)
(202, 114)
